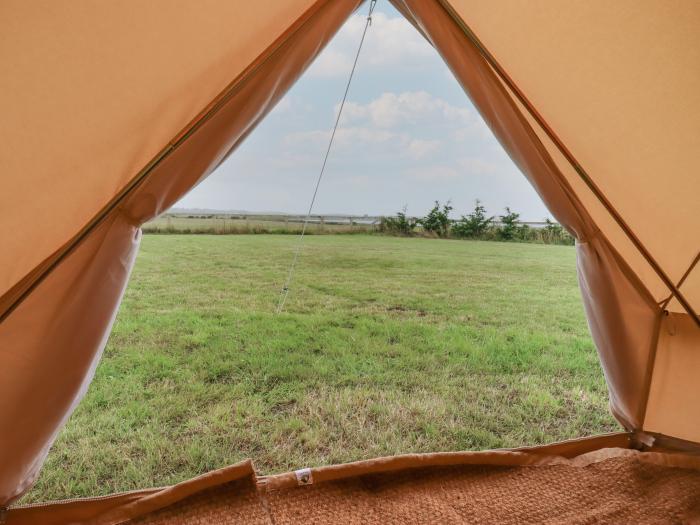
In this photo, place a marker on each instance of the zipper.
(73, 500)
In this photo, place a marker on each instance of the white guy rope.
(290, 274)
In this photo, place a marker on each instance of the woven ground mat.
(616, 490)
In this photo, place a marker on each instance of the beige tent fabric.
(51, 346)
(92, 91)
(674, 399)
(119, 508)
(619, 83)
(52, 341)
(109, 123)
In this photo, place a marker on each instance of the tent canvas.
(106, 125)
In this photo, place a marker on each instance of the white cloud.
(367, 139)
(284, 105)
(410, 107)
(343, 137)
(478, 166)
(390, 42)
(287, 159)
(420, 148)
(412, 124)
(331, 63)
(475, 128)
(394, 41)
(433, 173)
(357, 181)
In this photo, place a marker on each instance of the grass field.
(387, 345)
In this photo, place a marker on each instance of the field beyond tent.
(386, 346)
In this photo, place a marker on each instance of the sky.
(408, 136)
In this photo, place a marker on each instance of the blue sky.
(408, 136)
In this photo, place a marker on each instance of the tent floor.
(590, 480)
(615, 490)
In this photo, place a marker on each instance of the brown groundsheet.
(596, 479)
(622, 489)
(236, 502)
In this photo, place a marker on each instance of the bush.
(473, 226)
(402, 224)
(525, 233)
(438, 220)
(554, 233)
(510, 229)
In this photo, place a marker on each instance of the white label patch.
(304, 476)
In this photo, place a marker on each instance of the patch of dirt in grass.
(404, 309)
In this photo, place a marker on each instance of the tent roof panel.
(621, 88)
(85, 109)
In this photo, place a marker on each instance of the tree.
(437, 220)
(473, 225)
(509, 225)
(401, 224)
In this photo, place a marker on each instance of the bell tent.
(111, 111)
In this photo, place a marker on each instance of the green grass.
(387, 346)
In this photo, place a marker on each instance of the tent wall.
(674, 398)
(52, 341)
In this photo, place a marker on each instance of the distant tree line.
(475, 225)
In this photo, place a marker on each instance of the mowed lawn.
(386, 346)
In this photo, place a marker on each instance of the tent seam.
(651, 363)
(685, 275)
